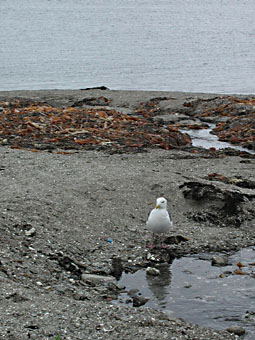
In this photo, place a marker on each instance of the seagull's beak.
(157, 206)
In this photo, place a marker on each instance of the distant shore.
(119, 97)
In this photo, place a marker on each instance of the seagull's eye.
(162, 201)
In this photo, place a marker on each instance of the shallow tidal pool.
(194, 290)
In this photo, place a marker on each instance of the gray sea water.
(184, 45)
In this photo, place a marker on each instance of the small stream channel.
(194, 290)
(205, 139)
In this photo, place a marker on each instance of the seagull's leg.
(163, 245)
(152, 245)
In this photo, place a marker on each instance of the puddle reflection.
(159, 285)
(193, 289)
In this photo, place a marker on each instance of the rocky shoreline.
(68, 213)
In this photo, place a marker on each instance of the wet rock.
(219, 261)
(250, 316)
(152, 271)
(117, 267)
(139, 301)
(237, 330)
(96, 279)
(133, 292)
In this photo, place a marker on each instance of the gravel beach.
(67, 215)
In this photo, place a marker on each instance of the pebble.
(188, 286)
(93, 278)
(237, 330)
(30, 232)
(219, 261)
(4, 141)
(152, 271)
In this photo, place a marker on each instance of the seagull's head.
(161, 203)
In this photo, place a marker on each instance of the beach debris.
(40, 126)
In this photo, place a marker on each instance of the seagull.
(159, 221)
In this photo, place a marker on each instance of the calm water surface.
(184, 45)
(192, 289)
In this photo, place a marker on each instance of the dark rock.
(237, 330)
(16, 297)
(117, 267)
(139, 301)
(32, 326)
(96, 88)
(175, 239)
(69, 265)
(223, 203)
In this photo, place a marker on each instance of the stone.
(219, 261)
(16, 297)
(152, 271)
(139, 301)
(96, 279)
(132, 292)
(237, 330)
(30, 232)
(4, 141)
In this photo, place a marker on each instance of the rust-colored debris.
(237, 116)
(39, 126)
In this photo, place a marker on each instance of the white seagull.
(159, 221)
